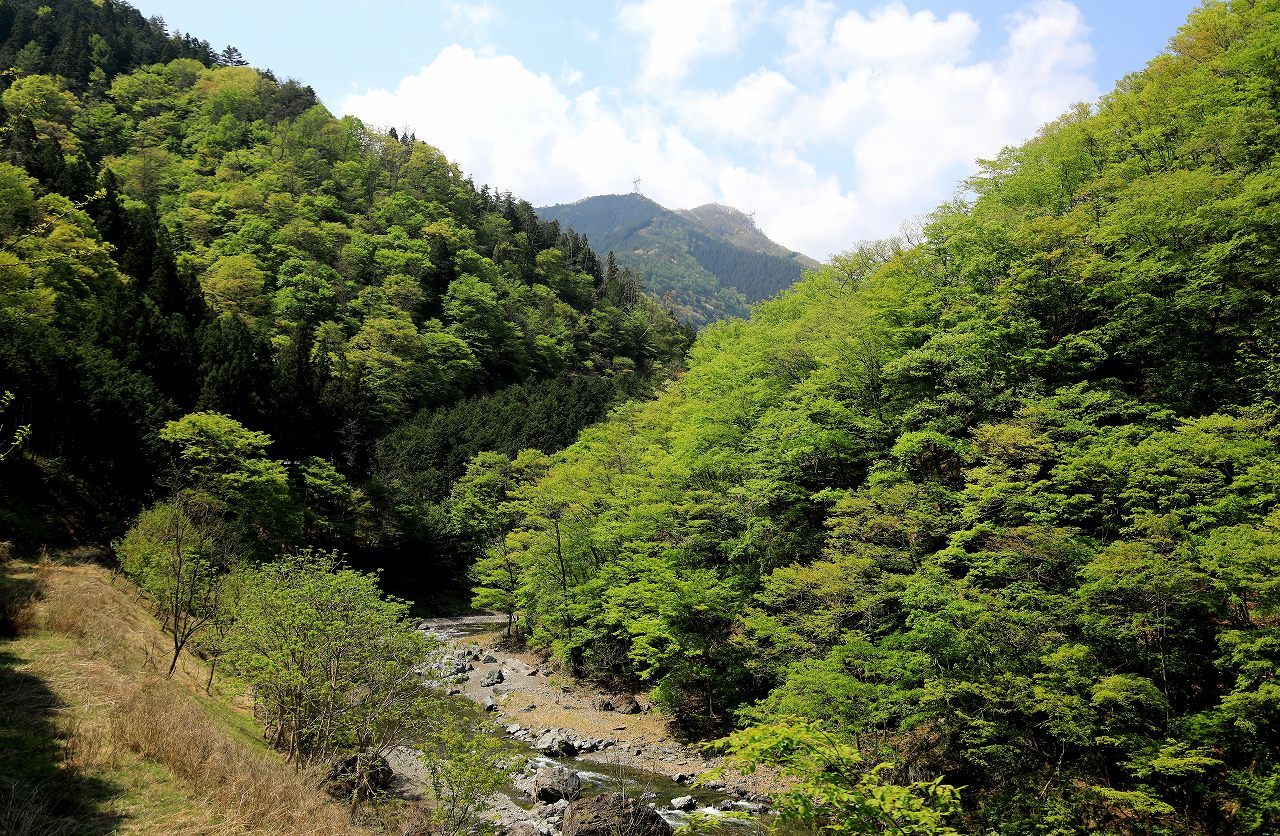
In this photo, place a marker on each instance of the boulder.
(489, 659)
(613, 814)
(491, 678)
(489, 704)
(684, 802)
(523, 828)
(627, 705)
(555, 743)
(602, 704)
(553, 783)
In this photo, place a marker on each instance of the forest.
(197, 237)
(994, 503)
(971, 530)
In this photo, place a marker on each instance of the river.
(613, 768)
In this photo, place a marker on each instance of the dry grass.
(254, 791)
(183, 763)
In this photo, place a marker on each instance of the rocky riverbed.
(582, 743)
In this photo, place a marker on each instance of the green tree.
(19, 435)
(180, 552)
(336, 667)
(833, 789)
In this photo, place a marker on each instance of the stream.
(656, 789)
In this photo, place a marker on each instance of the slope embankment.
(95, 739)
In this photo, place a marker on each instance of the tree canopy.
(997, 507)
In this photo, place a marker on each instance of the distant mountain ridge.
(707, 263)
(740, 229)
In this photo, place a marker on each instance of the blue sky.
(833, 121)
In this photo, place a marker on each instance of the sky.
(834, 121)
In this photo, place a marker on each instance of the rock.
(529, 707)
(682, 778)
(491, 678)
(586, 744)
(553, 783)
(554, 811)
(610, 814)
(453, 692)
(489, 659)
(513, 728)
(684, 802)
(523, 828)
(602, 704)
(555, 743)
(627, 705)
(489, 704)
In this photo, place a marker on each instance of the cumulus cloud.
(679, 32)
(855, 123)
(519, 130)
(747, 112)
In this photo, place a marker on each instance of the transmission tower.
(635, 185)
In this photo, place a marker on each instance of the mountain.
(707, 264)
(739, 229)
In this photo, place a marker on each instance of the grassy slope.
(93, 739)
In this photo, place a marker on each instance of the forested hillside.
(94, 41)
(706, 264)
(999, 507)
(196, 238)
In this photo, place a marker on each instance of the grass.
(94, 739)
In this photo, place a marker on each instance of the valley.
(342, 495)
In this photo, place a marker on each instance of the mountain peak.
(706, 263)
(739, 228)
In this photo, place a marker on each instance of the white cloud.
(570, 77)
(859, 122)
(746, 112)
(471, 18)
(679, 32)
(805, 29)
(893, 36)
(517, 130)
(899, 97)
